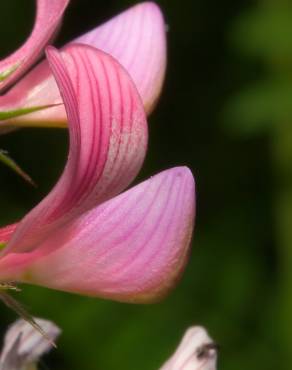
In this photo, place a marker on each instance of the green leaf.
(8, 161)
(2, 246)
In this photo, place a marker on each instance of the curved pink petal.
(108, 139)
(6, 232)
(35, 90)
(48, 16)
(136, 38)
(131, 248)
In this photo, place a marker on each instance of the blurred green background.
(226, 112)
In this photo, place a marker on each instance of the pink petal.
(37, 89)
(136, 38)
(131, 248)
(108, 139)
(6, 233)
(48, 16)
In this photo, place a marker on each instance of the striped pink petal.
(48, 17)
(38, 90)
(136, 38)
(108, 139)
(131, 248)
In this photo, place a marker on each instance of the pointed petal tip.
(172, 266)
(184, 171)
(157, 11)
(132, 248)
(151, 5)
(137, 39)
(184, 225)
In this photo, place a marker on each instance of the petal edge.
(131, 248)
(48, 17)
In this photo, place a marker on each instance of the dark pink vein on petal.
(97, 93)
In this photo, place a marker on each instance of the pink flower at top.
(136, 38)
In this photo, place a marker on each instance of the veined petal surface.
(131, 248)
(136, 38)
(48, 16)
(108, 140)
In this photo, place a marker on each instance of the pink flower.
(83, 237)
(136, 38)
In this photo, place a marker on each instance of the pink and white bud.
(196, 351)
(23, 345)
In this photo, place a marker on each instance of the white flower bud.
(23, 345)
(196, 351)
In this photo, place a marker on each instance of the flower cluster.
(88, 235)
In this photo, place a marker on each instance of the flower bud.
(23, 345)
(196, 351)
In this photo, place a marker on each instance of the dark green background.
(235, 283)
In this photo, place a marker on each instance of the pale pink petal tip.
(132, 248)
(108, 140)
(48, 16)
(137, 39)
(196, 351)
